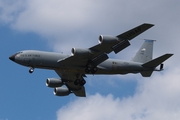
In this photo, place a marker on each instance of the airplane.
(94, 60)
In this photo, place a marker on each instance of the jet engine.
(80, 52)
(61, 91)
(108, 39)
(54, 82)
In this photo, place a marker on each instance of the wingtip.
(169, 54)
(149, 24)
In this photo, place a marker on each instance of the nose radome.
(12, 57)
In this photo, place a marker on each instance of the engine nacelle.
(61, 91)
(108, 39)
(80, 52)
(54, 82)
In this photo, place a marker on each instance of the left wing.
(98, 53)
(68, 79)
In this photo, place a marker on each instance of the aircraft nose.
(12, 57)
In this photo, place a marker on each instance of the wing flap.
(122, 45)
(81, 92)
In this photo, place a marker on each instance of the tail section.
(145, 53)
(154, 63)
(144, 56)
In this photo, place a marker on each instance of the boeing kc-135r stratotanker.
(94, 60)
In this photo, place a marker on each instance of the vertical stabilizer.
(145, 53)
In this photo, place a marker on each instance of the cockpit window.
(19, 52)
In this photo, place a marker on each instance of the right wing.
(98, 53)
(123, 39)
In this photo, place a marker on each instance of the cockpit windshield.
(19, 52)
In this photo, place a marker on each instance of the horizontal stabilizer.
(135, 31)
(155, 62)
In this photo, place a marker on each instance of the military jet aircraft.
(94, 60)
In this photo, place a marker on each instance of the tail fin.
(154, 63)
(145, 53)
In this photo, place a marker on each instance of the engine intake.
(80, 52)
(54, 82)
(61, 91)
(108, 39)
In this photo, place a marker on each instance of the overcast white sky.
(63, 24)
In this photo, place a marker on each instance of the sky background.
(59, 25)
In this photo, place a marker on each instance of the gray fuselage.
(49, 60)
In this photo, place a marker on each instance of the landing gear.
(90, 68)
(94, 70)
(79, 82)
(87, 70)
(31, 70)
(82, 82)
